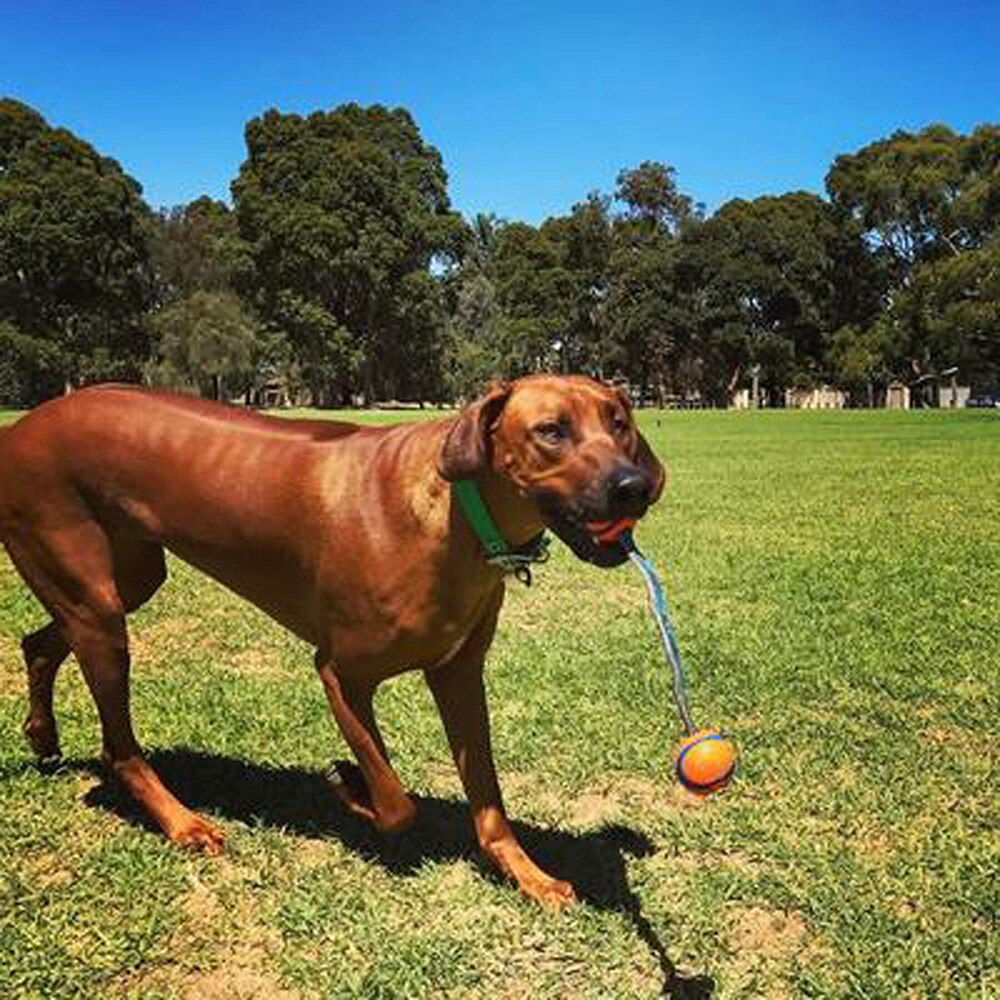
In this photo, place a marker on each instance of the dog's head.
(571, 445)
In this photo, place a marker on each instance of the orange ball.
(705, 762)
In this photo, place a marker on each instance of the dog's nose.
(628, 492)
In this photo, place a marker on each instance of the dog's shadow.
(301, 802)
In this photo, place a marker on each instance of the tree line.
(341, 274)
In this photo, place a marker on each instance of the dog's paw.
(196, 833)
(397, 819)
(44, 742)
(552, 893)
(348, 783)
(350, 787)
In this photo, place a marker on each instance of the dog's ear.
(648, 463)
(466, 449)
(651, 467)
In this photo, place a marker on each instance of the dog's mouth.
(590, 540)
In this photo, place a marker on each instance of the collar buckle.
(517, 561)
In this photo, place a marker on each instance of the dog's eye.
(550, 432)
(619, 425)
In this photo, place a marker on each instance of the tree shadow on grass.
(301, 802)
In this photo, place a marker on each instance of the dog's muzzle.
(624, 494)
(582, 542)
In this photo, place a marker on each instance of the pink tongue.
(607, 532)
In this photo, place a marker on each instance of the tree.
(199, 262)
(341, 211)
(948, 315)
(930, 204)
(197, 248)
(417, 323)
(481, 241)
(650, 195)
(74, 261)
(643, 325)
(584, 240)
(206, 342)
(922, 196)
(29, 367)
(762, 280)
(641, 307)
(472, 355)
(858, 359)
(535, 294)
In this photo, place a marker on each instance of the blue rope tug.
(661, 615)
(706, 760)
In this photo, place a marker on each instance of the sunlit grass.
(835, 581)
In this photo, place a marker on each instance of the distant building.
(824, 397)
(928, 391)
(897, 396)
(953, 397)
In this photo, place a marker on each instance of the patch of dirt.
(767, 945)
(696, 860)
(46, 871)
(154, 643)
(310, 853)
(220, 950)
(257, 661)
(442, 770)
(769, 934)
(245, 949)
(873, 845)
(533, 958)
(958, 739)
(13, 679)
(602, 803)
(658, 797)
(236, 982)
(593, 809)
(549, 603)
(525, 791)
(972, 689)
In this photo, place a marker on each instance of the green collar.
(517, 561)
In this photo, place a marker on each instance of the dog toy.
(705, 760)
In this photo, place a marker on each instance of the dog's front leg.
(375, 792)
(458, 690)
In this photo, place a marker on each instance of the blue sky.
(531, 104)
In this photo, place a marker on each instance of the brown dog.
(349, 536)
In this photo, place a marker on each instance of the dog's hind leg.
(74, 573)
(44, 651)
(139, 570)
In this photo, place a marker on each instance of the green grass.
(835, 579)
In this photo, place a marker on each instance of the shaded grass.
(835, 579)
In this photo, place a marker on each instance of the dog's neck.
(517, 517)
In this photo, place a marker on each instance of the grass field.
(835, 579)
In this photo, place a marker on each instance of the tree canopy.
(342, 273)
(343, 212)
(75, 276)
